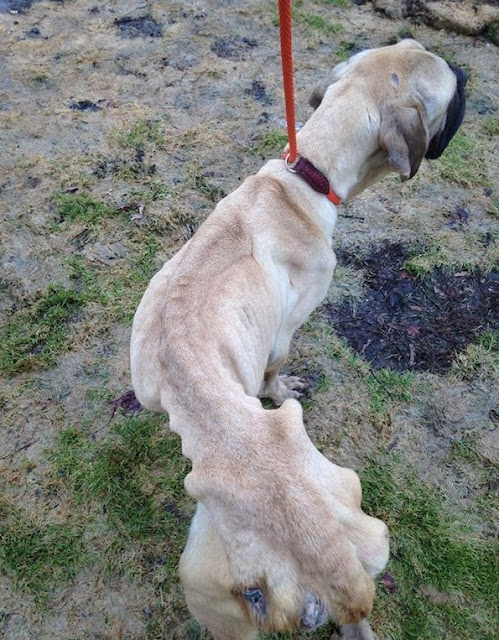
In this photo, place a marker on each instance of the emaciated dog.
(279, 539)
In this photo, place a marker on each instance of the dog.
(279, 539)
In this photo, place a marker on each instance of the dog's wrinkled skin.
(279, 539)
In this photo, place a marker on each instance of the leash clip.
(290, 167)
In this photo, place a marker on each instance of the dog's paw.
(294, 383)
(283, 387)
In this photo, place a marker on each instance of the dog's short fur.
(279, 539)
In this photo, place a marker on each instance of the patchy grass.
(199, 181)
(72, 207)
(345, 50)
(491, 125)
(170, 137)
(118, 289)
(270, 143)
(131, 486)
(37, 334)
(451, 251)
(141, 134)
(39, 555)
(317, 24)
(479, 359)
(463, 162)
(445, 573)
(338, 3)
(387, 386)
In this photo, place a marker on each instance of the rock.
(106, 254)
(461, 16)
(391, 8)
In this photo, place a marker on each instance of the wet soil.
(408, 322)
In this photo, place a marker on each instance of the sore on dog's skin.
(214, 328)
(315, 613)
(257, 600)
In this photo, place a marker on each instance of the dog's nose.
(314, 613)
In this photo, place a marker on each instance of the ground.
(122, 124)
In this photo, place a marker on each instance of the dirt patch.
(406, 322)
(235, 48)
(141, 27)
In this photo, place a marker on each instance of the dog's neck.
(313, 204)
(341, 140)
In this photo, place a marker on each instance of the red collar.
(315, 178)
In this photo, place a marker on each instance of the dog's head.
(287, 545)
(409, 99)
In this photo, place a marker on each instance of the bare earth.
(201, 83)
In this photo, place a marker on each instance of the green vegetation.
(118, 289)
(338, 3)
(445, 573)
(39, 555)
(270, 143)
(480, 358)
(130, 486)
(317, 24)
(74, 207)
(345, 50)
(198, 181)
(463, 162)
(37, 333)
(386, 386)
(136, 476)
(454, 252)
(141, 134)
(491, 125)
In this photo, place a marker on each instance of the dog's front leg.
(281, 387)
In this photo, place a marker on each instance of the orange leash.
(300, 165)
(287, 74)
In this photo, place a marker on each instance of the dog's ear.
(404, 135)
(455, 113)
(321, 88)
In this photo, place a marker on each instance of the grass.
(125, 491)
(317, 24)
(117, 289)
(126, 474)
(479, 359)
(453, 251)
(463, 162)
(131, 485)
(445, 573)
(39, 555)
(72, 207)
(198, 181)
(141, 134)
(387, 386)
(36, 334)
(270, 143)
(40, 330)
(384, 386)
(122, 513)
(338, 3)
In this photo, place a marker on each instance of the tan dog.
(279, 539)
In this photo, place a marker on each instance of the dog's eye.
(257, 600)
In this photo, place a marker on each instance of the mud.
(414, 323)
